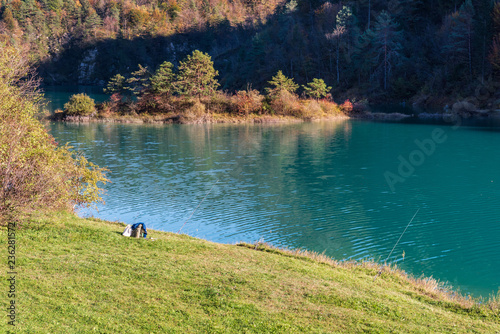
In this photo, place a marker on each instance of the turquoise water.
(319, 186)
(57, 96)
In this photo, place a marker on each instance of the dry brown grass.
(248, 101)
(285, 103)
(330, 107)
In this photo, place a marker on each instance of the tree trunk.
(385, 66)
(484, 54)
(338, 73)
(470, 51)
(369, 12)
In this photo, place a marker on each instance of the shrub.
(219, 103)
(285, 103)
(80, 105)
(35, 173)
(194, 114)
(309, 110)
(154, 104)
(347, 106)
(330, 107)
(248, 101)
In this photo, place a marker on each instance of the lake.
(57, 96)
(331, 187)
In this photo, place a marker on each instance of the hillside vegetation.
(82, 276)
(383, 50)
(35, 172)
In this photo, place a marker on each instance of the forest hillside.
(394, 50)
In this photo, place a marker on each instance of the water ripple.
(315, 186)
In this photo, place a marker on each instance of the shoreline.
(210, 117)
(222, 118)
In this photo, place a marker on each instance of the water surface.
(318, 186)
(57, 96)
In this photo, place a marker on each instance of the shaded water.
(57, 96)
(319, 186)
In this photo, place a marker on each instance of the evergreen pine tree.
(115, 85)
(9, 19)
(316, 89)
(162, 81)
(281, 83)
(386, 43)
(93, 21)
(197, 75)
(138, 82)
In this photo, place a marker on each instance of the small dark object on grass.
(137, 233)
(141, 230)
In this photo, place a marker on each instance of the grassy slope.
(82, 276)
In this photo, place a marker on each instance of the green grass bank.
(79, 275)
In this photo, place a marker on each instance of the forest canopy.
(395, 49)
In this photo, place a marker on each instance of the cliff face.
(86, 69)
(95, 64)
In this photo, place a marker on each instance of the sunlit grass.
(82, 276)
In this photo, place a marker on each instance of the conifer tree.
(459, 32)
(93, 21)
(316, 89)
(386, 45)
(343, 36)
(494, 55)
(281, 83)
(9, 19)
(139, 80)
(197, 75)
(115, 85)
(162, 81)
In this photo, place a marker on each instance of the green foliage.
(173, 10)
(316, 89)
(79, 105)
(139, 80)
(386, 46)
(344, 17)
(281, 83)
(93, 21)
(115, 85)
(55, 5)
(458, 30)
(8, 18)
(344, 42)
(291, 6)
(162, 81)
(35, 173)
(197, 75)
